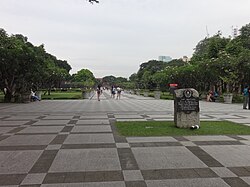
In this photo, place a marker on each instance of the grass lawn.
(63, 95)
(167, 128)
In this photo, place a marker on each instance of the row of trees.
(218, 63)
(24, 66)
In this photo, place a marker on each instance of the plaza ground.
(75, 143)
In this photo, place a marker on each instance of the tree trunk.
(7, 97)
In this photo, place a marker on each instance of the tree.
(85, 77)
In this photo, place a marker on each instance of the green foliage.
(84, 78)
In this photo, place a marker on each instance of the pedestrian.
(113, 92)
(98, 92)
(119, 90)
(245, 97)
(33, 96)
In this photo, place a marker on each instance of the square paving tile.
(12, 123)
(209, 138)
(17, 162)
(223, 172)
(58, 117)
(230, 155)
(128, 116)
(101, 116)
(240, 120)
(187, 143)
(166, 158)
(204, 182)
(89, 138)
(151, 139)
(27, 140)
(53, 147)
(36, 178)
(42, 129)
(51, 122)
(22, 117)
(132, 175)
(122, 145)
(92, 128)
(74, 160)
(92, 122)
(131, 120)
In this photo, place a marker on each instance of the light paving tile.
(5, 129)
(92, 122)
(53, 147)
(12, 123)
(247, 137)
(187, 143)
(247, 142)
(151, 139)
(41, 129)
(132, 175)
(122, 145)
(128, 116)
(36, 178)
(204, 182)
(51, 122)
(92, 128)
(27, 140)
(245, 121)
(17, 162)
(73, 160)
(101, 116)
(223, 172)
(209, 138)
(230, 155)
(22, 117)
(89, 138)
(166, 158)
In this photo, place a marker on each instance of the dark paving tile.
(31, 185)
(204, 156)
(11, 179)
(76, 117)
(67, 129)
(136, 184)
(205, 172)
(22, 147)
(76, 177)
(169, 174)
(235, 182)
(41, 117)
(44, 162)
(217, 143)
(240, 171)
(127, 159)
(59, 139)
(87, 146)
(72, 122)
(180, 138)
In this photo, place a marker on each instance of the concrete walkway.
(75, 144)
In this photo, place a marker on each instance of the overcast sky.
(115, 36)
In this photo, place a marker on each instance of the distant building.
(185, 59)
(165, 58)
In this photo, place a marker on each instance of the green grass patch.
(167, 128)
(63, 95)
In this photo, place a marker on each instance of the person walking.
(98, 92)
(246, 97)
(119, 90)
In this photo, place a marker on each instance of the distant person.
(119, 90)
(245, 97)
(112, 92)
(98, 92)
(33, 96)
(210, 96)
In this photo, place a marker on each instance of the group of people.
(211, 96)
(114, 90)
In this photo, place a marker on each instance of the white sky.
(115, 36)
